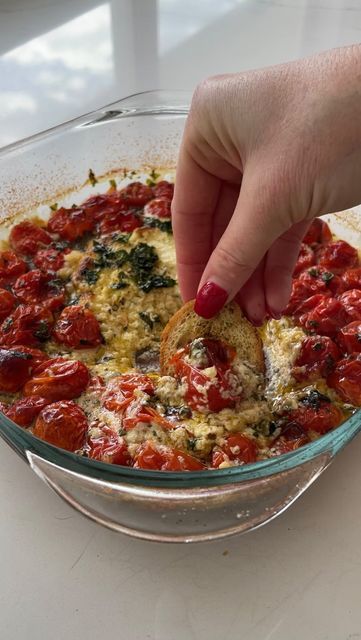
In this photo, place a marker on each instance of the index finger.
(195, 199)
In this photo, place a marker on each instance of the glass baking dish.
(144, 130)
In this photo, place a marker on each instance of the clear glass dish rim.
(150, 103)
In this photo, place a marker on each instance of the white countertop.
(61, 576)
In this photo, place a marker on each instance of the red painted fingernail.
(276, 315)
(210, 299)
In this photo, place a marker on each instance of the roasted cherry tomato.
(312, 282)
(16, 367)
(158, 208)
(338, 256)
(108, 446)
(326, 318)
(192, 364)
(27, 238)
(7, 303)
(71, 224)
(316, 413)
(120, 390)
(50, 259)
(63, 424)
(25, 410)
(119, 222)
(292, 437)
(349, 337)
(352, 279)
(11, 267)
(58, 379)
(318, 232)
(165, 459)
(351, 301)
(317, 357)
(164, 189)
(306, 258)
(237, 448)
(78, 328)
(346, 379)
(144, 414)
(28, 325)
(40, 288)
(297, 310)
(136, 194)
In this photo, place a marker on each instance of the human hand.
(263, 153)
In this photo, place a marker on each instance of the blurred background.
(61, 59)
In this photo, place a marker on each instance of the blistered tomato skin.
(11, 267)
(37, 287)
(165, 459)
(29, 325)
(292, 437)
(108, 447)
(119, 222)
(317, 358)
(338, 256)
(16, 366)
(27, 238)
(349, 337)
(71, 224)
(346, 379)
(77, 328)
(164, 189)
(326, 318)
(351, 302)
(50, 259)
(158, 208)
(352, 279)
(7, 303)
(237, 448)
(306, 259)
(120, 390)
(24, 411)
(63, 424)
(320, 418)
(136, 194)
(58, 379)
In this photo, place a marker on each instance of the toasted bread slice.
(229, 325)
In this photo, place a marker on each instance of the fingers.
(251, 298)
(253, 228)
(280, 263)
(195, 199)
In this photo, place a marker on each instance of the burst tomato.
(292, 437)
(318, 232)
(338, 256)
(346, 379)
(58, 379)
(306, 305)
(62, 424)
(237, 448)
(144, 414)
(164, 189)
(50, 259)
(349, 337)
(136, 194)
(352, 279)
(23, 412)
(27, 238)
(28, 325)
(120, 390)
(158, 208)
(11, 267)
(37, 287)
(78, 328)
(318, 414)
(326, 318)
(71, 224)
(203, 392)
(16, 367)
(109, 447)
(351, 301)
(306, 258)
(311, 282)
(165, 459)
(317, 357)
(7, 303)
(105, 204)
(119, 222)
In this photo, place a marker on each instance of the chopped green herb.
(192, 443)
(121, 237)
(90, 275)
(42, 333)
(112, 183)
(54, 207)
(7, 324)
(314, 272)
(149, 319)
(163, 225)
(156, 282)
(73, 300)
(327, 276)
(314, 398)
(317, 346)
(92, 179)
(60, 245)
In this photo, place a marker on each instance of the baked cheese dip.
(84, 299)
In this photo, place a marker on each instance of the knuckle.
(232, 262)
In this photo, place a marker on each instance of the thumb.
(252, 230)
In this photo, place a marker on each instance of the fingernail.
(275, 315)
(210, 299)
